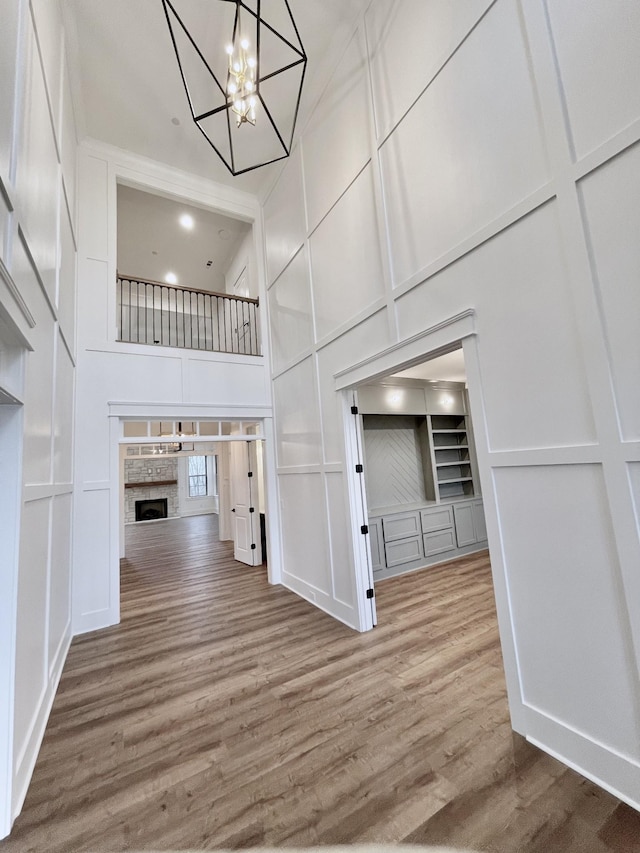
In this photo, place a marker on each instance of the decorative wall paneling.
(37, 306)
(506, 189)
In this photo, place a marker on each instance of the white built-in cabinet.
(421, 476)
(421, 536)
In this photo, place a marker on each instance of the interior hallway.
(223, 712)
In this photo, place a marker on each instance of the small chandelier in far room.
(242, 65)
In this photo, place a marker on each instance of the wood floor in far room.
(223, 712)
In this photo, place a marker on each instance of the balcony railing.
(153, 313)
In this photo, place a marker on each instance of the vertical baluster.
(254, 323)
(219, 319)
(245, 326)
(184, 333)
(166, 315)
(175, 299)
(207, 301)
(169, 292)
(235, 340)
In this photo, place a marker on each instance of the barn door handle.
(233, 509)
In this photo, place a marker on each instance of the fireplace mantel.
(153, 483)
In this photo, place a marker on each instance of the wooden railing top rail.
(139, 280)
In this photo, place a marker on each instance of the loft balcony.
(150, 312)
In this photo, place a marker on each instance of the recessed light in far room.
(171, 278)
(187, 221)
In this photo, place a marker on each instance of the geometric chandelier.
(242, 65)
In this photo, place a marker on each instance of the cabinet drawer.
(400, 525)
(436, 543)
(403, 551)
(437, 519)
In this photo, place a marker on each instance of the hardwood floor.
(223, 712)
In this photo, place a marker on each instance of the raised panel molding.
(488, 143)
(599, 65)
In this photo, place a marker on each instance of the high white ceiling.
(449, 368)
(152, 242)
(130, 89)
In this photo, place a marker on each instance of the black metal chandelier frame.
(227, 105)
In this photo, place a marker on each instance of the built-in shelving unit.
(450, 456)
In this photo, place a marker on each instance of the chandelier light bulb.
(229, 49)
(244, 44)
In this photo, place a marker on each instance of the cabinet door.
(465, 531)
(403, 551)
(375, 543)
(478, 521)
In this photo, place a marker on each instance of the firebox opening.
(151, 510)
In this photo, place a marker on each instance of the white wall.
(37, 304)
(244, 261)
(150, 382)
(484, 155)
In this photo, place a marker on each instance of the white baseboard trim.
(614, 772)
(94, 621)
(24, 771)
(342, 612)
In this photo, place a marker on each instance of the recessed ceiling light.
(187, 221)
(175, 121)
(171, 278)
(153, 252)
(223, 234)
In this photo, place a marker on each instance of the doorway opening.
(414, 458)
(178, 469)
(422, 486)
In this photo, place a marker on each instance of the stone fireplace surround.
(144, 472)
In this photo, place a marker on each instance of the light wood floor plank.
(223, 712)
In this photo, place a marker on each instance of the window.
(197, 476)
